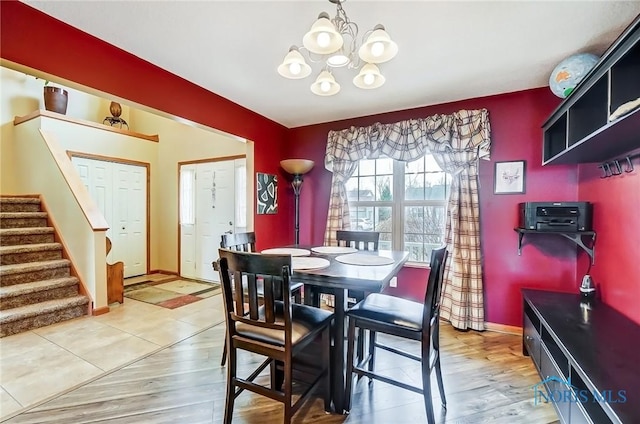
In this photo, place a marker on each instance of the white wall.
(21, 94)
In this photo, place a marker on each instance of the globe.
(570, 72)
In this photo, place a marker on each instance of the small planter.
(55, 99)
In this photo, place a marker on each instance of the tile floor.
(40, 364)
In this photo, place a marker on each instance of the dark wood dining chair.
(381, 313)
(361, 240)
(242, 242)
(277, 329)
(246, 242)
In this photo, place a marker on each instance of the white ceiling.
(448, 50)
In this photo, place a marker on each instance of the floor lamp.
(297, 168)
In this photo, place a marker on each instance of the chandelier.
(333, 42)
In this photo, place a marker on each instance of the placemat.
(309, 263)
(360, 259)
(333, 250)
(286, 251)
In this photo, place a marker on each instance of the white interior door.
(130, 217)
(214, 209)
(96, 176)
(120, 192)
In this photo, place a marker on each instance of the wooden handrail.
(89, 208)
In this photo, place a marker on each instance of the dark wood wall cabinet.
(580, 129)
(586, 355)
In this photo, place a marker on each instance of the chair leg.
(326, 361)
(360, 354)
(277, 375)
(288, 387)
(436, 348)
(231, 389)
(350, 347)
(224, 352)
(440, 385)
(426, 381)
(372, 351)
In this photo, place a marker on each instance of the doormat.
(171, 294)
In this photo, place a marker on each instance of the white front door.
(120, 192)
(213, 203)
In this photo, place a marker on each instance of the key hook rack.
(618, 166)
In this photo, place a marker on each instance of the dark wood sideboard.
(597, 351)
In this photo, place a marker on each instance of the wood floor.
(486, 378)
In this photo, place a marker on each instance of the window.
(241, 194)
(404, 201)
(187, 196)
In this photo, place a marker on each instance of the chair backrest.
(361, 240)
(434, 286)
(241, 242)
(241, 274)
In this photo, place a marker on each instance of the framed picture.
(267, 193)
(509, 177)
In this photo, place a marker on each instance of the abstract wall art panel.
(267, 189)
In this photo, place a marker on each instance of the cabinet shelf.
(579, 130)
(575, 236)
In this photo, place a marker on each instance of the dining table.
(337, 278)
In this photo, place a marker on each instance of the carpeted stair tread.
(25, 288)
(24, 312)
(27, 200)
(25, 231)
(36, 288)
(6, 215)
(33, 266)
(23, 248)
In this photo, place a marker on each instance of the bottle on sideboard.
(587, 297)
(587, 288)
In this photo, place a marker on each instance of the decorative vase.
(55, 99)
(115, 109)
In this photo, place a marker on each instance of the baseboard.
(100, 311)
(501, 328)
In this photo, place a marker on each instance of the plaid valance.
(456, 142)
(411, 139)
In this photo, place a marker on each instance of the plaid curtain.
(338, 216)
(456, 141)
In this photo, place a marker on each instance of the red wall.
(616, 208)
(547, 262)
(31, 38)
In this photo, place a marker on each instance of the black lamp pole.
(297, 168)
(297, 184)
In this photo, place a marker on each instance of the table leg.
(311, 296)
(337, 355)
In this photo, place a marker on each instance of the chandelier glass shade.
(334, 44)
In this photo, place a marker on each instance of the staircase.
(36, 288)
